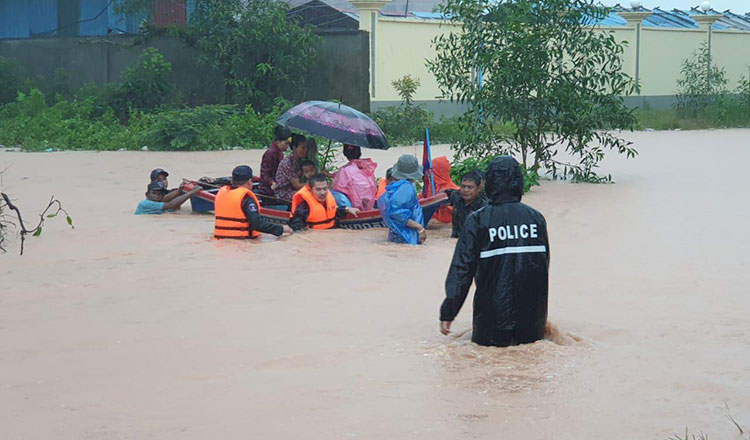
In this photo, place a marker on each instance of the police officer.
(505, 249)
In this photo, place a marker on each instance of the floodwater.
(133, 327)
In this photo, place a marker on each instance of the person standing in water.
(238, 210)
(399, 205)
(504, 248)
(464, 201)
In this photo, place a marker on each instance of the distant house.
(72, 18)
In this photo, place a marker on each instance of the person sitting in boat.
(238, 210)
(269, 164)
(159, 175)
(385, 181)
(308, 170)
(356, 179)
(467, 199)
(399, 205)
(290, 169)
(314, 207)
(154, 203)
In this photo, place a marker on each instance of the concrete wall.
(340, 71)
(404, 44)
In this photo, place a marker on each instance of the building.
(81, 18)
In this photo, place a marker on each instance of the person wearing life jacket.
(238, 210)
(314, 207)
(384, 182)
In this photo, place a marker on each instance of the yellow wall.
(402, 45)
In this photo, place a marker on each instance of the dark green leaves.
(556, 82)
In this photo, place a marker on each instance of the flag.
(429, 179)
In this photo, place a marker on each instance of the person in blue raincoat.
(399, 205)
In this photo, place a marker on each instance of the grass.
(672, 119)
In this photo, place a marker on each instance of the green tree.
(261, 52)
(146, 85)
(11, 80)
(545, 68)
(743, 90)
(697, 87)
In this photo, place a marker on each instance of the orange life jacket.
(231, 221)
(381, 189)
(321, 216)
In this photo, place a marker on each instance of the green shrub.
(83, 123)
(33, 125)
(469, 164)
(403, 124)
(146, 85)
(698, 87)
(12, 80)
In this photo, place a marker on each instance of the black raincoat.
(505, 247)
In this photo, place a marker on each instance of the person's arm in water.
(252, 213)
(461, 273)
(176, 202)
(342, 211)
(298, 221)
(171, 195)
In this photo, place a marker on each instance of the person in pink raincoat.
(356, 179)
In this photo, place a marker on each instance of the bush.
(12, 80)
(212, 127)
(403, 124)
(458, 169)
(146, 85)
(33, 125)
(83, 124)
(696, 87)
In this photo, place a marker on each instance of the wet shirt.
(149, 207)
(288, 169)
(268, 167)
(461, 210)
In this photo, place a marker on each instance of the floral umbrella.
(336, 122)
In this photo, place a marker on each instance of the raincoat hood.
(504, 180)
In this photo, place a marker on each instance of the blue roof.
(677, 18)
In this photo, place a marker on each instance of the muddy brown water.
(143, 327)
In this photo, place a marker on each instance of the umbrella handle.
(325, 156)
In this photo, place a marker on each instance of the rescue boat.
(276, 211)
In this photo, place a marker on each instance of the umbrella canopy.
(336, 122)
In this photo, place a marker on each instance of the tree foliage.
(11, 80)
(538, 66)
(146, 85)
(698, 88)
(260, 51)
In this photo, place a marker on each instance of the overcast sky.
(736, 6)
